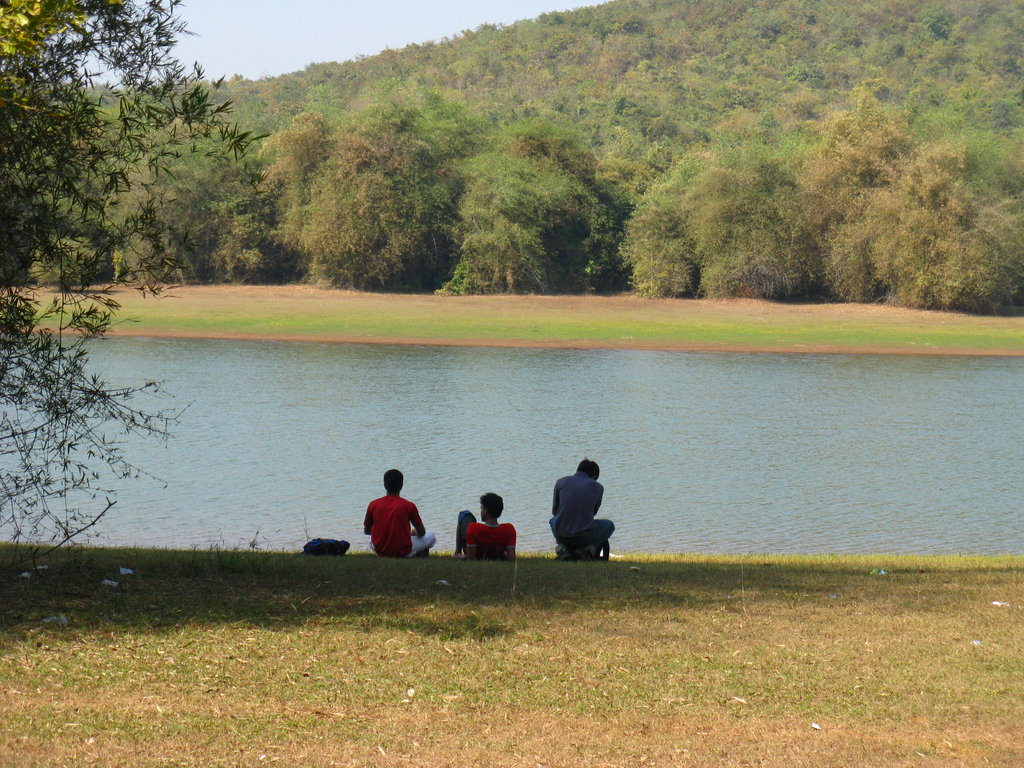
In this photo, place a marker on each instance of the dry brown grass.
(237, 659)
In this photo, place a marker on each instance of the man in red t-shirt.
(488, 540)
(391, 520)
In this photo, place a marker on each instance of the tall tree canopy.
(536, 217)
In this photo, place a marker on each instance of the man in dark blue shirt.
(578, 533)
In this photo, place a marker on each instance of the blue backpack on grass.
(325, 547)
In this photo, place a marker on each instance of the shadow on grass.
(433, 597)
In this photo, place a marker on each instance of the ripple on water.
(699, 452)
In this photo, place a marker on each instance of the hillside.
(683, 69)
(579, 152)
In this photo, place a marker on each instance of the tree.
(370, 202)
(936, 243)
(535, 217)
(660, 246)
(93, 108)
(25, 24)
(919, 221)
(379, 214)
(861, 152)
(725, 224)
(749, 227)
(226, 230)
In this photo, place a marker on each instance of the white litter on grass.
(634, 568)
(1000, 604)
(26, 575)
(815, 726)
(61, 619)
(127, 571)
(108, 583)
(443, 582)
(975, 642)
(42, 567)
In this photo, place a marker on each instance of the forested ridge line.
(858, 151)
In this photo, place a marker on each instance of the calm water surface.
(699, 452)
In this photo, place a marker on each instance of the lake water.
(699, 452)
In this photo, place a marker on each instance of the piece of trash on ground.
(975, 642)
(60, 619)
(999, 603)
(108, 583)
(879, 571)
(127, 571)
(815, 726)
(42, 567)
(443, 582)
(634, 568)
(26, 575)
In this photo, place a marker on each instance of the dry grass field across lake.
(222, 658)
(311, 314)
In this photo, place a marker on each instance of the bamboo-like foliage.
(777, 149)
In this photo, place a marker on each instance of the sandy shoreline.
(814, 349)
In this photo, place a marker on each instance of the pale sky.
(261, 38)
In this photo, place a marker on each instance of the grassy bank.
(623, 321)
(231, 658)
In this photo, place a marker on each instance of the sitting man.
(488, 540)
(391, 520)
(578, 534)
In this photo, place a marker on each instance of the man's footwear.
(588, 552)
(563, 553)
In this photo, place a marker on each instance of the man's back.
(492, 541)
(576, 501)
(390, 519)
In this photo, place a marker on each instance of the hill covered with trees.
(862, 150)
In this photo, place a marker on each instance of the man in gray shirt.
(578, 534)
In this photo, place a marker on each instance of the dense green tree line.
(861, 213)
(426, 196)
(858, 151)
(412, 197)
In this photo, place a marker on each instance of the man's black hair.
(493, 503)
(393, 481)
(590, 468)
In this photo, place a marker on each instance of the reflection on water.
(699, 452)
